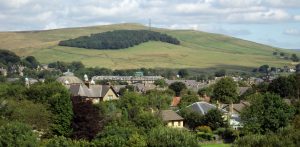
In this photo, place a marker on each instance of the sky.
(272, 22)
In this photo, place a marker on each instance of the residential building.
(172, 119)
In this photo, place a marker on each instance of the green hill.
(196, 50)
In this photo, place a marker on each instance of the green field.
(197, 49)
(215, 145)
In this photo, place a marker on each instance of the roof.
(236, 107)
(203, 107)
(169, 115)
(242, 90)
(71, 79)
(94, 91)
(118, 87)
(175, 101)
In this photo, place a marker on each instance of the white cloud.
(297, 17)
(270, 16)
(14, 3)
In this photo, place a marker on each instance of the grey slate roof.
(94, 91)
(169, 115)
(203, 107)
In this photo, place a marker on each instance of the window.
(110, 97)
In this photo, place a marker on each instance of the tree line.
(118, 39)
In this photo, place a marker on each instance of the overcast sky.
(273, 22)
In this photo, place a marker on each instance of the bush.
(205, 129)
(163, 136)
(17, 134)
(201, 136)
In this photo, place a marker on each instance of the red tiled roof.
(175, 101)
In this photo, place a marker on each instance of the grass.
(215, 145)
(197, 50)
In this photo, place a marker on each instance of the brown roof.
(93, 91)
(169, 115)
(236, 107)
(175, 101)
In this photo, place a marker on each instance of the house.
(172, 118)
(234, 113)
(88, 90)
(235, 108)
(94, 93)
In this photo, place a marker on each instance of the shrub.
(205, 129)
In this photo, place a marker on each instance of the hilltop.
(196, 50)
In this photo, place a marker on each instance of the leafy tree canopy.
(118, 39)
(177, 87)
(267, 112)
(225, 90)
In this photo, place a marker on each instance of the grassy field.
(197, 49)
(215, 145)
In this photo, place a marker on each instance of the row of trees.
(118, 39)
(293, 57)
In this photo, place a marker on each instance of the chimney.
(231, 108)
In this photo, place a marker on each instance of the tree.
(17, 134)
(119, 133)
(7, 57)
(160, 82)
(275, 53)
(213, 118)
(88, 120)
(225, 90)
(132, 104)
(58, 98)
(34, 114)
(145, 121)
(136, 140)
(31, 62)
(282, 86)
(159, 99)
(220, 73)
(164, 136)
(183, 73)
(127, 88)
(177, 87)
(192, 118)
(267, 112)
(264, 69)
(294, 58)
(187, 100)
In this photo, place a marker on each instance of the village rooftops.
(128, 78)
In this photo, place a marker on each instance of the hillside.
(197, 49)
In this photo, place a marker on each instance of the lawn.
(215, 145)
